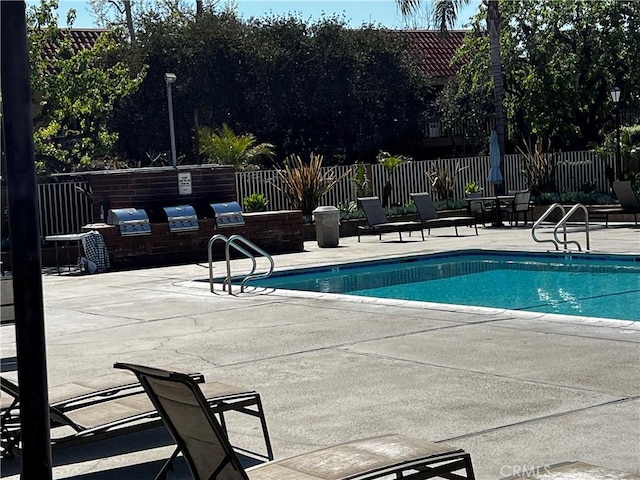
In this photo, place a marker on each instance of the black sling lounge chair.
(629, 203)
(206, 449)
(112, 405)
(429, 216)
(377, 220)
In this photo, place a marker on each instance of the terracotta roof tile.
(80, 39)
(436, 49)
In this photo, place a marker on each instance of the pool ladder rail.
(238, 243)
(563, 223)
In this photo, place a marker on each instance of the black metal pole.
(25, 243)
(196, 136)
(619, 166)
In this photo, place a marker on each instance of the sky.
(383, 13)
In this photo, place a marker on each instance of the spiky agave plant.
(305, 183)
(443, 181)
(225, 147)
(538, 167)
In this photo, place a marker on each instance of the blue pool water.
(591, 285)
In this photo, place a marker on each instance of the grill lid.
(228, 214)
(132, 221)
(182, 218)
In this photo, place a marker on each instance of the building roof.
(436, 49)
(80, 39)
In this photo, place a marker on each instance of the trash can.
(327, 220)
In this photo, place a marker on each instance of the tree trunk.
(493, 25)
(386, 194)
(129, 18)
(196, 136)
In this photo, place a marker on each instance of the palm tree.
(225, 147)
(390, 164)
(445, 15)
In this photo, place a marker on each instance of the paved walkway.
(514, 390)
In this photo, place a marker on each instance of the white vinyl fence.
(65, 207)
(573, 170)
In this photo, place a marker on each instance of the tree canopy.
(75, 93)
(320, 87)
(561, 59)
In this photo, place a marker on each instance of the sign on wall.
(184, 183)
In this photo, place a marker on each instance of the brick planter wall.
(152, 189)
(156, 187)
(274, 232)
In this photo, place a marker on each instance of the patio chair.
(429, 215)
(629, 204)
(479, 209)
(112, 405)
(204, 446)
(571, 470)
(521, 204)
(377, 220)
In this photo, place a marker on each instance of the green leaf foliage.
(391, 162)
(538, 167)
(256, 202)
(361, 181)
(75, 94)
(322, 87)
(304, 183)
(560, 60)
(226, 148)
(629, 148)
(443, 181)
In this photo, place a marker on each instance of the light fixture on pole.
(615, 96)
(170, 78)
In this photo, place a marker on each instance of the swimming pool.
(589, 285)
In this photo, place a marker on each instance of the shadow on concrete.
(139, 443)
(8, 364)
(141, 470)
(102, 449)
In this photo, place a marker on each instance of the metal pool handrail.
(542, 218)
(212, 240)
(232, 242)
(564, 221)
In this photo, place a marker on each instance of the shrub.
(593, 198)
(538, 168)
(226, 148)
(390, 163)
(304, 184)
(472, 187)
(255, 202)
(361, 181)
(443, 182)
(629, 152)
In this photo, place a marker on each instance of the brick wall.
(152, 189)
(274, 232)
(156, 187)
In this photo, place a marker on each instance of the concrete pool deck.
(514, 390)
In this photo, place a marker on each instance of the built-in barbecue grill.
(182, 218)
(228, 214)
(132, 221)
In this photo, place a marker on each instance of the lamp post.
(169, 78)
(615, 96)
